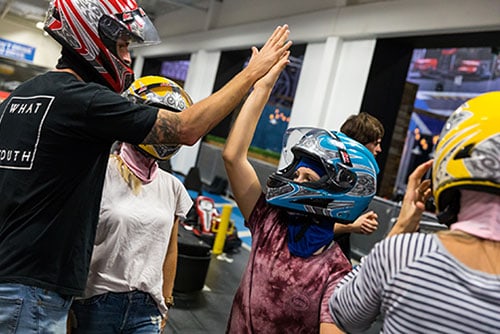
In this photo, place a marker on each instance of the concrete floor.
(207, 311)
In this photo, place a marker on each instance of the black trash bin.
(193, 260)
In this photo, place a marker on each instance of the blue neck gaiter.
(306, 235)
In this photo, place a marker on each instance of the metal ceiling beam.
(212, 13)
(6, 8)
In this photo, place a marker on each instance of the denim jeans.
(112, 312)
(28, 309)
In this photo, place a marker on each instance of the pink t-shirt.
(279, 292)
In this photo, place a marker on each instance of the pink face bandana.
(144, 168)
(479, 215)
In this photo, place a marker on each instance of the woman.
(448, 282)
(132, 271)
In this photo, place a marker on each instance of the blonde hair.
(133, 181)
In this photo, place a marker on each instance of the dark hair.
(363, 128)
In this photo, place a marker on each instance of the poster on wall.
(176, 70)
(446, 78)
(276, 115)
(18, 51)
(267, 140)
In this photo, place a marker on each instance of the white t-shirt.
(133, 234)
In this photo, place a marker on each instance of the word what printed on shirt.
(25, 108)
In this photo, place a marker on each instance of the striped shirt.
(417, 286)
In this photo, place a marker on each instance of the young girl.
(133, 265)
(294, 264)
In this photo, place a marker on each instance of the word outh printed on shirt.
(15, 155)
(21, 122)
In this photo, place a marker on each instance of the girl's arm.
(242, 176)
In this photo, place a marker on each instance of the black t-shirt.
(344, 242)
(55, 137)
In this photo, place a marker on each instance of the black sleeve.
(112, 116)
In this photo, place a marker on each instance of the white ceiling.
(34, 10)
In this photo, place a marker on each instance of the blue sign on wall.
(15, 50)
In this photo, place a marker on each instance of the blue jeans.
(28, 309)
(112, 312)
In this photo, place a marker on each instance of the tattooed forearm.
(166, 129)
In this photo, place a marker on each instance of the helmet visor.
(160, 152)
(134, 26)
(309, 138)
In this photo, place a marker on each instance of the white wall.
(24, 32)
(316, 82)
(349, 82)
(332, 84)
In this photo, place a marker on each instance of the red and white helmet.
(91, 29)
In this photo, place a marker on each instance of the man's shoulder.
(60, 82)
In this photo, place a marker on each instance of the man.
(56, 131)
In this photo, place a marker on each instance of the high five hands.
(274, 50)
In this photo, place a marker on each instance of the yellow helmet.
(162, 93)
(468, 154)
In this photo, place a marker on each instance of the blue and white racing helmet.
(346, 188)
